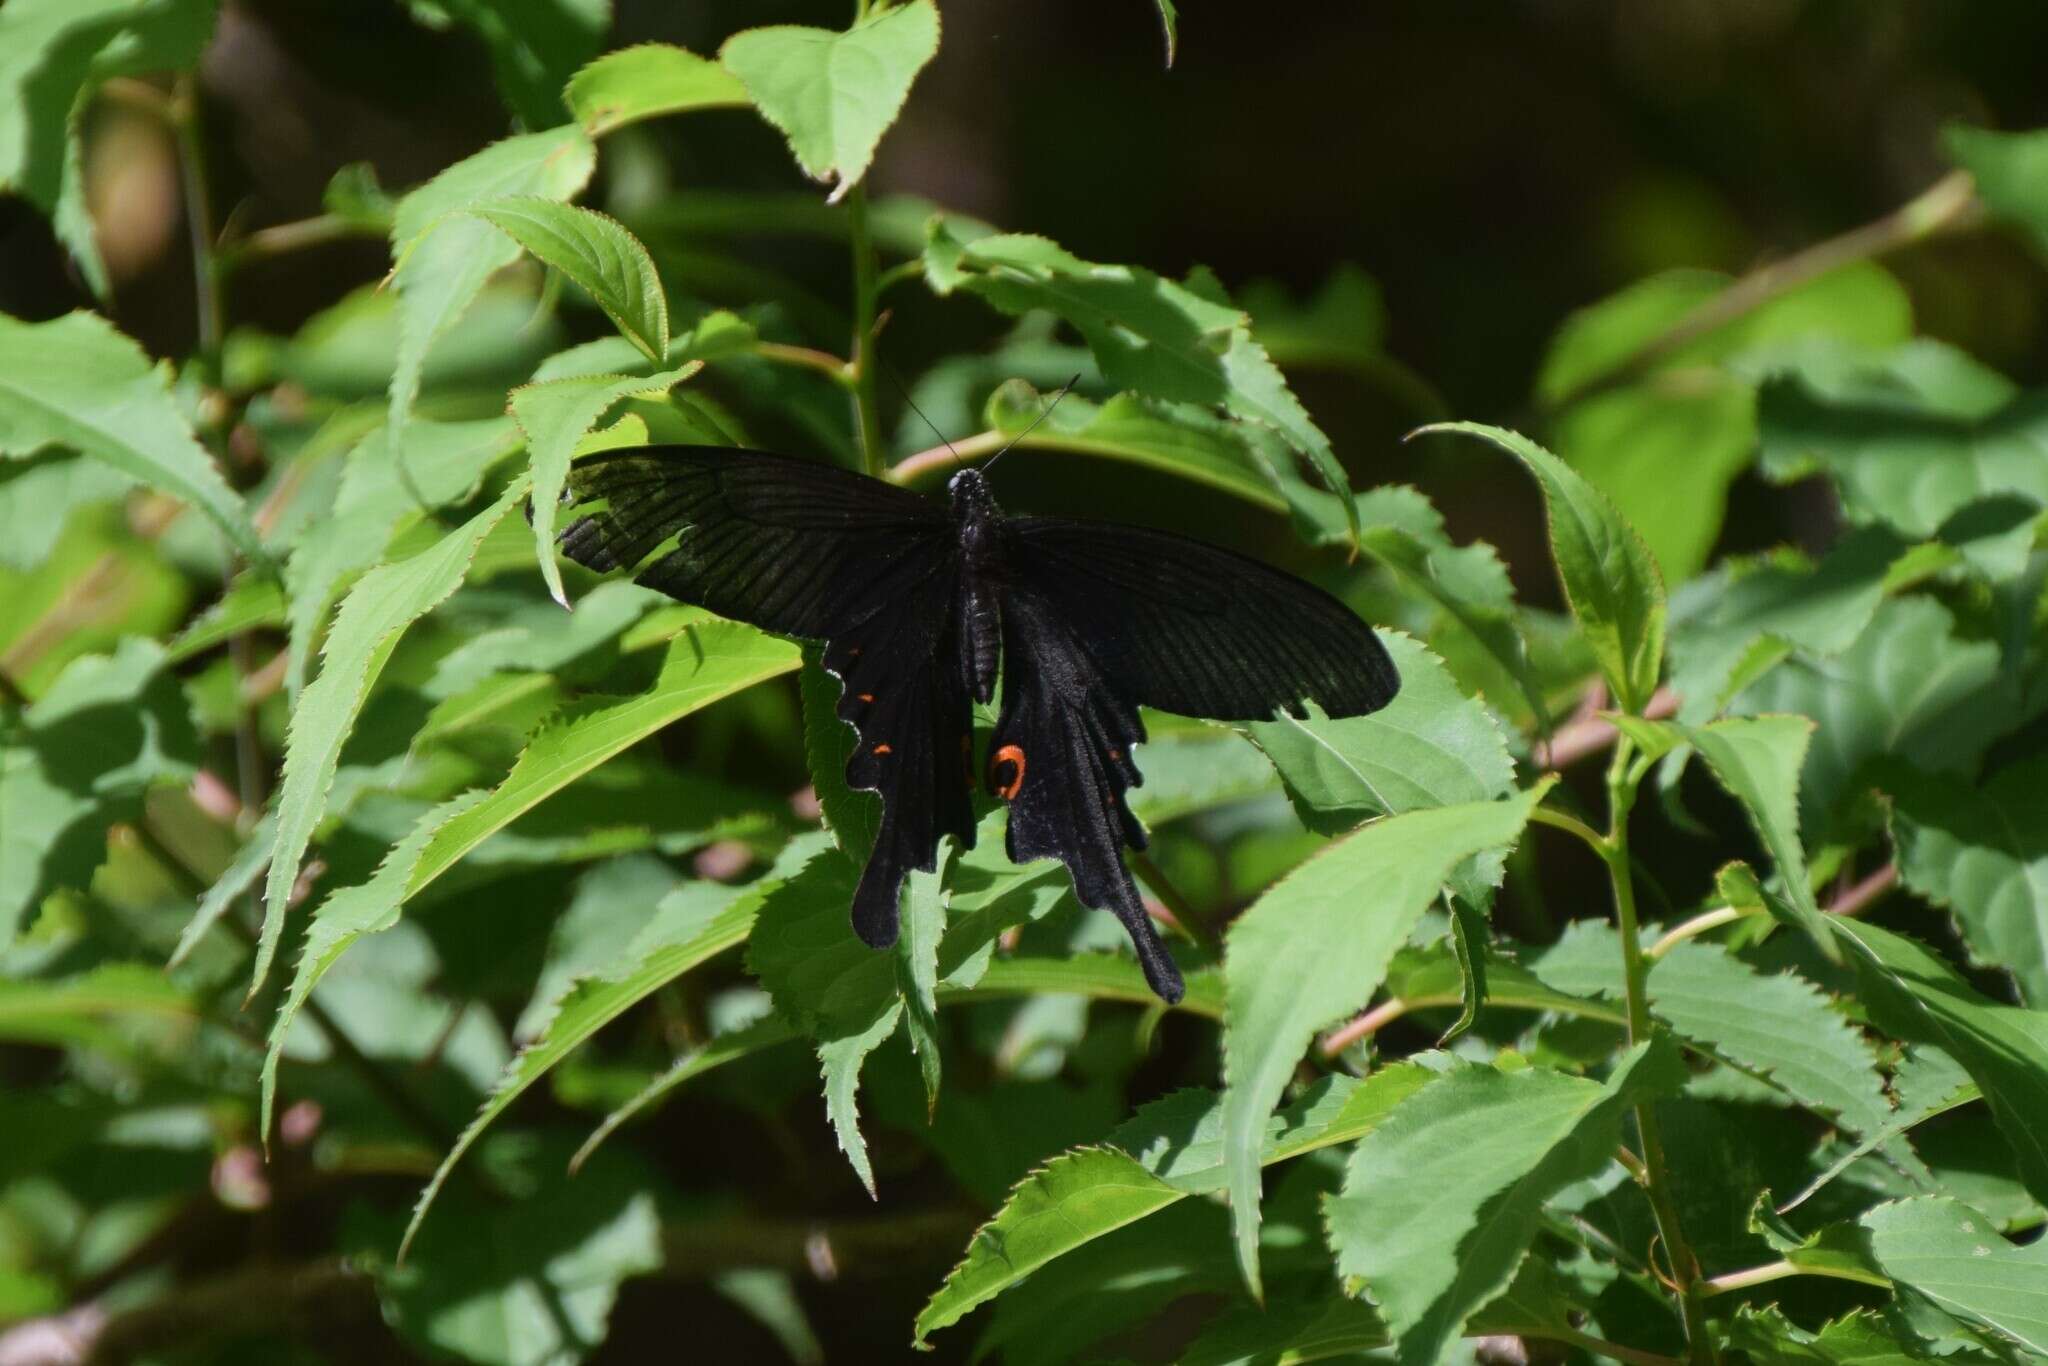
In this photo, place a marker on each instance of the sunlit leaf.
(378, 610)
(443, 256)
(596, 252)
(1313, 949)
(648, 81)
(1954, 1256)
(1442, 1200)
(833, 95)
(1607, 573)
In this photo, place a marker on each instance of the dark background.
(1492, 165)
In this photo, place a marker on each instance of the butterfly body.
(922, 606)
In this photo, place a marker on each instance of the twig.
(1586, 735)
(840, 372)
(1948, 204)
(1858, 897)
(1364, 1027)
(1185, 915)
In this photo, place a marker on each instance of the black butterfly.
(916, 602)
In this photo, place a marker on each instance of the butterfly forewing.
(808, 550)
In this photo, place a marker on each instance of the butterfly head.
(970, 494)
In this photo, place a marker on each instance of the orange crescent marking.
(1008, 754)
(866, 696)
(882, 749)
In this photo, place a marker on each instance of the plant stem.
(1656, 1177)
(824, 362)
(185, 120)
(864, 293)
(1948, 204)
(1571, 825)
(1185, 915)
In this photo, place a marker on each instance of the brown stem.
(1859, 896)
(1587, 735)
(1950, 203)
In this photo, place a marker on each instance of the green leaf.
(1313, 949)
(340, 920)
(1981, 851)
(645, 82)
(39, 494)
(76, 382)
(727, 1047)
(1179, 439)
(377, 611)
(447, 462)
(704, 663)
(534, 46)
(1954, 1256)
(105, 731)
(833, 95)
(1777, 1026)
(555, 415)
(1910, 455)
(71, 1010)
(1908, 687)
(1838, 1250)
(1148, 334)
(852, 816)
(2011, 171)
(1430, 746)
(837, 989)
(1169, 21)
(1442, 1200)
(1819, 610)
(443, 256)
(1859, 1338)
(54, 56)
(1169, 1150)
(1667, 444)
(1758, 760)
(1607, 573)
(695, 923)
(596, 252)
(917, 967)
(1405, 534)
(527, 1281)
(237, 881)
(1916, 996)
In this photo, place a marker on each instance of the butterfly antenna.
(896, 380)
(1042, 416)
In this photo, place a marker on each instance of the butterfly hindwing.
(804, 549)
(1188, 627)
(1061, 757)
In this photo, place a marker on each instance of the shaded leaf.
(1607, 573)
(1758, 760)
(54, 55)
(75, 382)
(1981, 851)
(645, 82)
(694, 923)
(2011, 171)
(1313, 949)
(833, 95)
(534, 45)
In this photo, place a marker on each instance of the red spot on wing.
(1012, 757)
